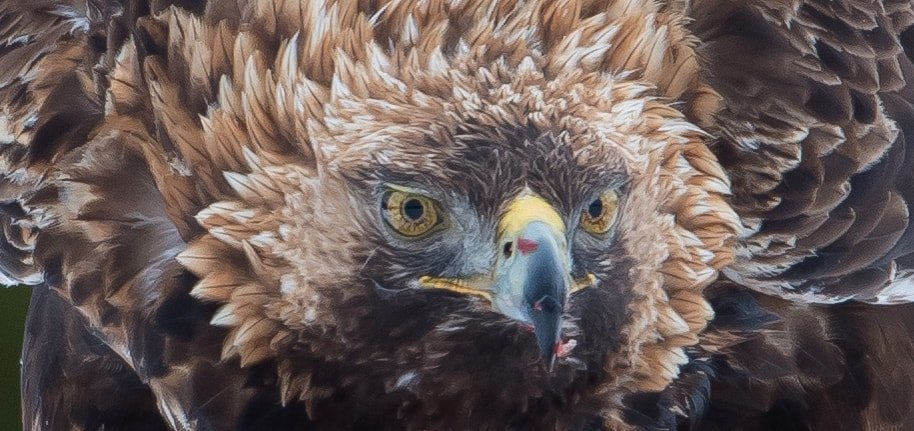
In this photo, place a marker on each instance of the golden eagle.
(460, 214)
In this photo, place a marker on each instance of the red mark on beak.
(527, 246)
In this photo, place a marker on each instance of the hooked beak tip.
(546, 313)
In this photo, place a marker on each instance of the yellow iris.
(600, 215)
(410, 214)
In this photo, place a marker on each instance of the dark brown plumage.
(350, 214)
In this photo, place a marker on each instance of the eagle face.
(515, 240)
(470, 244)
(496, 247)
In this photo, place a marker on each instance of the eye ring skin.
(600, 215)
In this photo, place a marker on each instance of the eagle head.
(461, 224)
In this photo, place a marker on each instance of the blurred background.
(13, 304)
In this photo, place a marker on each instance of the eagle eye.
(409, 214)
(600, 214)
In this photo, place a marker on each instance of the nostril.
(508, 249)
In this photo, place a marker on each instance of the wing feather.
(814, 131)
(96, 201)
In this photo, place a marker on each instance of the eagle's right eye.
(409, 214)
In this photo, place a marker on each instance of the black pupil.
(413, 209)
(595, 210)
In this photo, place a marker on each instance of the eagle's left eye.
(409, 214)
(600, 214)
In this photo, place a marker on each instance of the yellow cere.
(526, 209)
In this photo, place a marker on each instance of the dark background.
(13, 303)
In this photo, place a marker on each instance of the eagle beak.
(544, 287)
(532, 279)
(533, 276)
